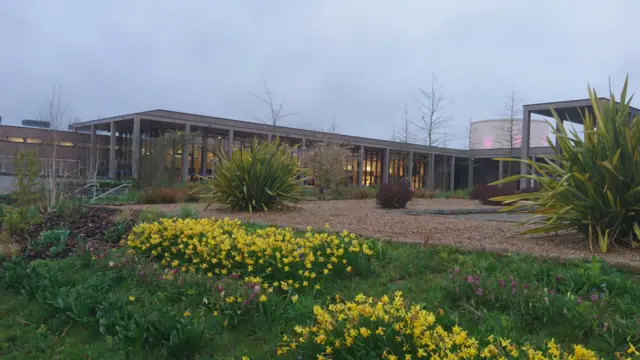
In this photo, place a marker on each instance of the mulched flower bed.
(87, 232)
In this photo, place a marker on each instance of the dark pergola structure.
(569, 111)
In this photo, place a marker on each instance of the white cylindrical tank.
(494, 134)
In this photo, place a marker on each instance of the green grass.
(50, 309)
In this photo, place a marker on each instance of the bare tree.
(511, 130)
(405, 134)
(433, 120)
(54, 113)
(276, 112)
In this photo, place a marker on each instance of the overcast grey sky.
(360, 60)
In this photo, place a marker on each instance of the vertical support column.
(432, 171)
(533, 182)
(500, 171)
(92, 153)
(269, 137)
(303, 144)
(113, 166)
(361, 166)
(185, 153)
(203, 155)
(385, 167)
(453, 174)
(230, 143)
(410, 169)
(526, 132)
(470, 173)
(135, 149)
(425, 172)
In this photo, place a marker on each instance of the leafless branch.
(434, 121)
(276, 111)
(54, 113)
(510, 132)
(406, 133)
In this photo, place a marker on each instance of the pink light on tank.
(488, 143)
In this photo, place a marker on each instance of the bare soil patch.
(363, 216)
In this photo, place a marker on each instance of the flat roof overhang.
(570, 110)
(160, 119)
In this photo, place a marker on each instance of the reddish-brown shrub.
(162, 196)
(484, 192)
(394, 196)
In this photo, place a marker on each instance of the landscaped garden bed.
(188, 288)
(364, 217)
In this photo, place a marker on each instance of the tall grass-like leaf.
(590, 186)
(262, 177)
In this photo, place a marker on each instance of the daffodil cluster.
(272, 257)
(390, 328)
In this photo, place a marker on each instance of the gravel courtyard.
(363, 216)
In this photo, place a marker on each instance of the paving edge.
(616, 263)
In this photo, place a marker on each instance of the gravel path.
(363, 216)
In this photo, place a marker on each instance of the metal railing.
(123, 186)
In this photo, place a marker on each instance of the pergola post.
(385, 166)
(230, 143)
(432, 171)
(409, 168)
(361, 166)
(135, 149)
(203, 155)
(453, 173)
(185, 153)
(470, 174)
(500, 171)
(92, 152)
(526, 135)
(113, 166)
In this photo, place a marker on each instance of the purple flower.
(175, 271)
(252, 295)
(456, 269)
(513, 284)
(558, 278)
(594, 298)
(526, 286)
(245, 302)
(234, 276)
(470, 279)
(501, 283)
(479, 291)
(256, 288)
(579, 300)
(219, 287)
(141, 273)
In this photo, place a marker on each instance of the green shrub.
(117, 232)
(16, 220)
(69, 207)
(188, 212)
(261, 177)
(591, 185)
(53, 240)
(151, 215)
